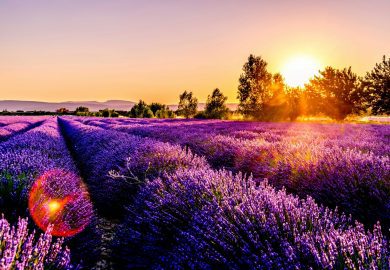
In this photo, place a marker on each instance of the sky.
(61, 50)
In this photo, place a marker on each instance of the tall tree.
(215, 105)
(154, 106)
(188, 104)
(337, 93)
(254, 89)
(377, 85)
(141, 110)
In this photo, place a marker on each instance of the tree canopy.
(377, 85)
(336, 93)
(215, 105)
(188, 104)
(254, 89)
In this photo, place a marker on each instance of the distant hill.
(15, 105)
(94, 106)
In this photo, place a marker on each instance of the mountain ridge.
(119, 105)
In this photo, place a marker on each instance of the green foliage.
(165, 113)
(81, 109)
(187, 105)
(161, 111)
(13, 193)
(107, 113)
(254, 89)
(141, 110)
(336, 93)
(215, 105)
(377, 84)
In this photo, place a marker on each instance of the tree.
(161, 111)
(62, 111)
(254, 87)
(82, 109)
(165, 113)
(215, 105)
(295, 104)
(154, 107)
(187, 105)
(108, 113)
(377, 85)
(141, 110)
(275, 108)
(337, 93)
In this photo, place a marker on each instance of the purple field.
(125, 193)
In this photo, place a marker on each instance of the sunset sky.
(62, 50)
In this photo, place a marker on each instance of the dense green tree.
(336, 93)
(165, 113)
(108, 113)
(215, 105)
(377, 85)
(161, 111)
(81, 109)
(154, 107)
(187, 105)
(141, 110)
(254, 89)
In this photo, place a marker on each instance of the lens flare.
(60, 198)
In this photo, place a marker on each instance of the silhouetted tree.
(154, 107)
(337, 93)
(377, 84)
(107, 113)
(165, 113)
(187, 105)
(215, 105)
(62, 111)
(275, 108)
(254, 89)
(81, 109)
(141, 110)
(161, 111)
(295, 102)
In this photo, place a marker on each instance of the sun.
(298, 70)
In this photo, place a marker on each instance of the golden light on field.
(298, 70)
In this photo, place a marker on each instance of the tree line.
(336, 93)
(264, 96)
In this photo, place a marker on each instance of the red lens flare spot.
(61, 199)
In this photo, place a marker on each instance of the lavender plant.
(207, 219)
(339, 165)
(20, 249)
(29, 155)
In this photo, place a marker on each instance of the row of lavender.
(23, 158)
(345, 166)
(179, 212)
(10, 126)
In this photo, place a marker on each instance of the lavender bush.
(24, 158)
(208, 219)
(116, 164)
(20, 249)
(339, 165)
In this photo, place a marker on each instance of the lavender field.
(121, 193)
